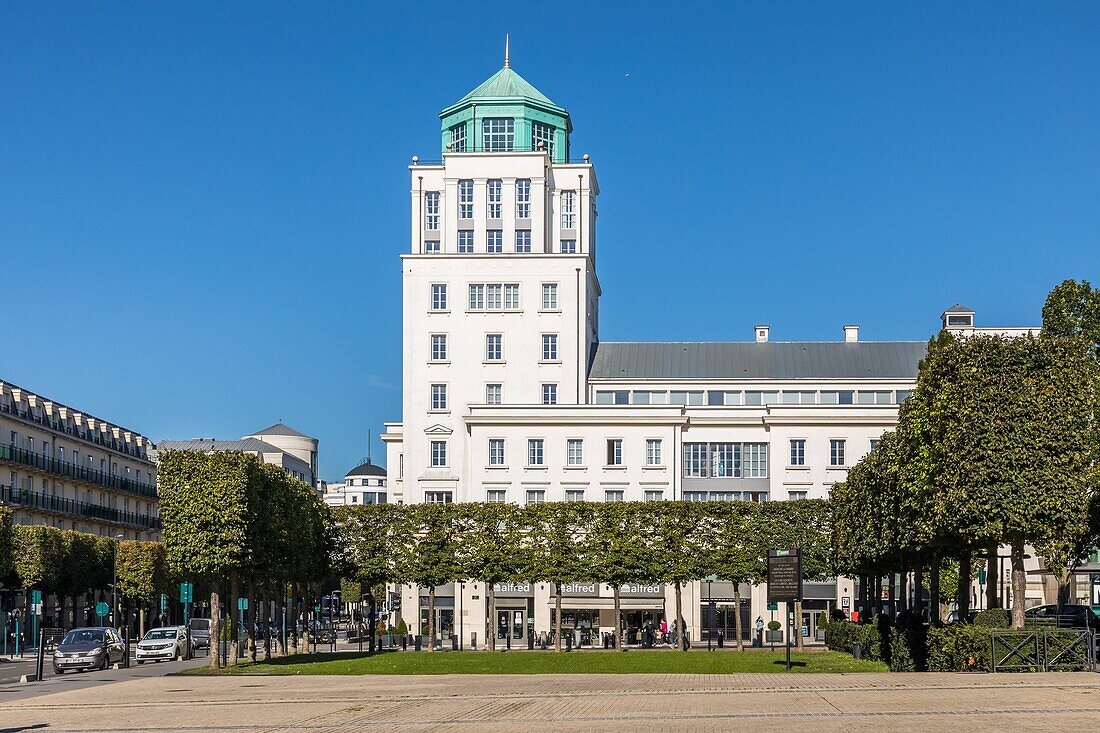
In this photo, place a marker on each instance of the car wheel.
(140, 661)
(105, 663)
(58, 671)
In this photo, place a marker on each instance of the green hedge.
(993, 618)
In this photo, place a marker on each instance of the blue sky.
(202, 204)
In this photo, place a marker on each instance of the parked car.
(321, 633)
(200, 632)
(161, 645)
(1073, 616)
(94, 647)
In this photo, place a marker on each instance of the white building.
(364, 484)
(509, 395)
(278, 445)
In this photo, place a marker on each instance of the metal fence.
(1044, 650)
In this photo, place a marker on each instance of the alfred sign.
(512, 590)
(641, 590)
(784, 575)
(579, 590)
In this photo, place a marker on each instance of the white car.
(163, 644)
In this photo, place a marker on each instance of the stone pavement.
(567, 703)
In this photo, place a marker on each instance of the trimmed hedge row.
(955, 648)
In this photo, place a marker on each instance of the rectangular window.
(874, 443)
(798, 452)
(569, 246)
(495, 496)
(549, 347)
(431, 211)
(574, 452)
(511, 296)
(439, 397)
(493, 198)
(799, 398)
(837, 398)
(574, 494)
(549, 394)
(498, 134)
(725, 460)
(695, 460)
(542, 137)
(523, 241)
(439, 347)
(653, 452)
(796, 495)
(496, 451)
(878, 397)
(439, 297)
(604, 397)
(761, 398)
(536, 496)
(696, 496)
(614, 495)
(654, 495)
(466, 199)
(756, 460)
(494, 394)
(458, 138)
(439, 453)
(465, 241)
(477, 297)
(494, 241)
(438, 497)
(615, 452)
(523, 198)
(494, 347)
(902, 395)
(534, 452)
(568, 209)
(432, 246)
(493, 297)
(549, 296)
(836, 452)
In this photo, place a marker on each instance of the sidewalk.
(772, 702)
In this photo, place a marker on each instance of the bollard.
(720, 640)
(530, 642)
(126, 647)
(508, 641)
(416, 642)
(473, 640)
(404, 642)
(857, 650)
(454, 643)
(568, 642)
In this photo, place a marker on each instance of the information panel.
(784, 575)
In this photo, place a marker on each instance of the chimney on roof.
(762, 334)
(851, 334)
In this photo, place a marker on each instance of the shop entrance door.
(444, 623)
(510, 623)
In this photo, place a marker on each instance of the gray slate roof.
(281, 429)
(245, 444)
(367, 469)
(750, 360)
(959, 308)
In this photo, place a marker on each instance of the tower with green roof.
(505, 113)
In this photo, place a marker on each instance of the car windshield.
(161, 634)
(200, 624)
(84, 636)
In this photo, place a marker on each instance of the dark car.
(200, 632)
(95, 647)
(1073, 616)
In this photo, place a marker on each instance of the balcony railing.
(91, 437)
(16, 497)
(24, 457)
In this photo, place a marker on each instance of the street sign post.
(785, 584)
(101, 610)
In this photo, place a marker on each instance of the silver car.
(161, 645)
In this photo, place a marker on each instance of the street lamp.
(461, 592)
(114, 585)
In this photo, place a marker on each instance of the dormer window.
(542, 137)
(498, 134)
(960, 321)
(458, 138)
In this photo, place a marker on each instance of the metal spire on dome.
(507, 63)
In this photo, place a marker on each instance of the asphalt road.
(12, 689)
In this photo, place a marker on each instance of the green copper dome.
(505, 113)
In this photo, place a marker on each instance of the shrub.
(840, 635)
(993, 618)
(402, 628)
(774, 626)
(959, 648)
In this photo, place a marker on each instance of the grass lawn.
(521, 662)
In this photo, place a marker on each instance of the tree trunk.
(250, 619)
(372, 621)
(431, 618)
(234, 618)
(618, 620)
(1019, 585)
(557, 620)
(141, 623)
(680, 619)
(215, 628)
(918, 592)
(892, 597)
(962, 600)
(934, 592)
(992, 574)
(737, 615)
(799, 641)
(1064, 576)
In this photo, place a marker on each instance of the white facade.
(491, 336)
(364, 484)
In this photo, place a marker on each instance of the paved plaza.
(772, 702)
